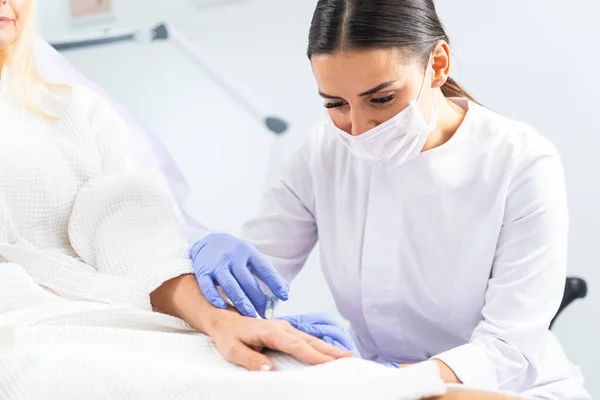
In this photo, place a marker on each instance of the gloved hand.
(321, 326)
(233, 264)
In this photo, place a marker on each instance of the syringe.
(271, 300)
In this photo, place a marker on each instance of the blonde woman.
(97, 296)
(81, 227)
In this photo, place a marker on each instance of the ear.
(441, 63)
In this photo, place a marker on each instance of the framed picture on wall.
(91, 11)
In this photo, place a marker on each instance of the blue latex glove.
(321, 326)
(233, 264)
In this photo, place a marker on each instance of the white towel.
(97, 351)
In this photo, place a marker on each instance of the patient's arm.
(181, 298)
(239, 339)
(124, 226)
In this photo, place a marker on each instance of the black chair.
(575, 288)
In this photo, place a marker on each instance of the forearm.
(181, 297)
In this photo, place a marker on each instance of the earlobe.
(438, 83)
(441, 63)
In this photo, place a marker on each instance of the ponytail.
(453, 89)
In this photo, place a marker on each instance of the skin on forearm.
(181, 297)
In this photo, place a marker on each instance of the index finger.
(267, 273)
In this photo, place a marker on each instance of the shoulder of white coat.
(321, 143)
(320, 136)
(510, 138)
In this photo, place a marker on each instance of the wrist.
(181, 297)
(215, 318)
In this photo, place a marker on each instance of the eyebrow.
(368, 92)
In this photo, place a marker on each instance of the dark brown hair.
(410, 25)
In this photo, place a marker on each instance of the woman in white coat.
(442, 225)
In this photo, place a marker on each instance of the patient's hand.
(240, 339)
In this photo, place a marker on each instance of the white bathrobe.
(84, 239)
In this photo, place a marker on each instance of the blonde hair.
(25, 78)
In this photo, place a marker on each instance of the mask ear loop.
(431, 118)
(425, 77)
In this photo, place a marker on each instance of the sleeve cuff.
(167, 271)
(472, 366)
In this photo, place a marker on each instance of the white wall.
(533, 60)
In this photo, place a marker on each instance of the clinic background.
(531, 60)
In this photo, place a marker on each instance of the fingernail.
(219, 304)
(285, 292)
(249, 311)
(265, 368)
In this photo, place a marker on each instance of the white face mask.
(395, 141)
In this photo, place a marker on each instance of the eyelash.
(334, 105)
(381, 100)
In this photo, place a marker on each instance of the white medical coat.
(459, 254)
